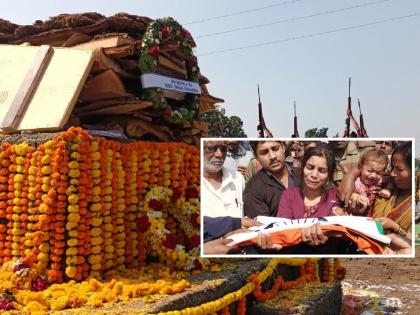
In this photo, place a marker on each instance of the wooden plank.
(57, 92)
(118, 109)
(76, 39)
(202, 125)
(175, 95)
(103, 86)
(170, 73)
(107, 42)
(168, 63)
(119, 52)
(168, 45)
(61, 35)
(163, 133)
(103, 62)
(210, 99)
(190, 132)
(205, 107)
(27, 88)
(180, 63)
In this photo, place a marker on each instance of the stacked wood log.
(111, 101)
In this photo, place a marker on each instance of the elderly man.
(263, 191)
(221, 188)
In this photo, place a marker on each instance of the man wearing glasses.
(221, 188)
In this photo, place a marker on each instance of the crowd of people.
(305, 179)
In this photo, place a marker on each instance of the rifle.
(262, 128)
(362, 123)
(295, 124)
(347, 129)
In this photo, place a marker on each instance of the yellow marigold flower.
(73, 233)
(74, 173)
(120, 236)
(35, 307)
(94, 145)
(59, 303)
(18, 178)
(73, 208)
(74, 181)
(74, 147)
(71, 189)
(109, 249)
(46, 170)
(71, 260)
(45, 188)
(43, 257)
(95, 207)
(72, 251)
(46, 159)
(120, 251)
(95, 259)
(73, 217)
(44, 247)
(75, 155)
(73, 164)
(73, 199)
(21, 148)
(108, 227)
(96, 165)
(96, 221)
(20, 168)
(96, 240)
(71, 225)
(72, 242)
(96, 173)
(16, 201)
(95, 232)
(20, 160)
(108, 241)
(71, 271)
(32, 170)
(96, 249)
(96, 266)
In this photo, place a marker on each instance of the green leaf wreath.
(157, 31)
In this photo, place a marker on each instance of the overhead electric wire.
(311, 35)
(293, 19)
(242, 12)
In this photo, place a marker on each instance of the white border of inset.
(413, 146)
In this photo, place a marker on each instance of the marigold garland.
(78, 206)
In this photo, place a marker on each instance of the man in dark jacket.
(262, 193)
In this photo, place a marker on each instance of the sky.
(382, 59)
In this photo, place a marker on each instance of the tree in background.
(220, 125)
(417, 164)
(316, 133)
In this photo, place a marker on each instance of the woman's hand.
(399, 245)
(217, 247)
(264, 242)
(346, 187)
(313, 235)
(338, 211)
(359, 203)
(389, 224)
(247, 222)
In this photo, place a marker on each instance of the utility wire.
(242, 12)
(292, 19)
(311, 35)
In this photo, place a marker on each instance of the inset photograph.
(328, 197)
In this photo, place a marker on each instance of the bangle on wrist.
(402, 232)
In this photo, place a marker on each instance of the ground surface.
(396, 280)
